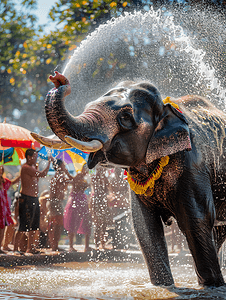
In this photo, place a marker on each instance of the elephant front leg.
(149, 230)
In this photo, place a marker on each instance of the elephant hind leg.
(219, 233)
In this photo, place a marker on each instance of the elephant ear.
(170, 136)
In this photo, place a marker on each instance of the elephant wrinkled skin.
(134, 129)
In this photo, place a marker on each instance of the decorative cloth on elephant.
(167, 100)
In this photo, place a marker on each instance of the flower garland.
(141, 187)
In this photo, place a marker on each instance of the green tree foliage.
(83, 15)
(24, 66)
(16, 88)
(27, 57)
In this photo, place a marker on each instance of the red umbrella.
(15, 136)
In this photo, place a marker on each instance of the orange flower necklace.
(147, 187)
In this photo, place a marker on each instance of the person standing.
(29, 211)
(41, 236)
(5, 213)
(101, 214)
(58, 186)
(77, 218)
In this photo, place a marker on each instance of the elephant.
(174, 153)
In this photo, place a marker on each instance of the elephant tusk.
(92, 146)
(50, 143)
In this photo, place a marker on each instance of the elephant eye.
(126, 120)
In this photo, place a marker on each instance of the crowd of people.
(34, 221)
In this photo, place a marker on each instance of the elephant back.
(205, 120)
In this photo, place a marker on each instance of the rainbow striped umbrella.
(12, 156)
(77, 157)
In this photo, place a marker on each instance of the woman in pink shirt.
(5, 214)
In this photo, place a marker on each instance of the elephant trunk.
(69, 128)
(60, 120)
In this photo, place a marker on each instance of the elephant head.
(128, 125)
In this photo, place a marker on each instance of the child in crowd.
(41, 237)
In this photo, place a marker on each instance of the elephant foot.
(165, 283)
(162, 280)
(219, 288)
(213, 282)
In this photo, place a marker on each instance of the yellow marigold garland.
(141, 187)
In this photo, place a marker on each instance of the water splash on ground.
(100, 281)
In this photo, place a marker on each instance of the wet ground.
(103, 280)
(110, 274)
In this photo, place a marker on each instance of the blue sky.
(43, 8)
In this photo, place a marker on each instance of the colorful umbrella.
(11, 156)
(14, 140)
(15, 136)
(72, 155)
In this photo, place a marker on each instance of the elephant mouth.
(98, 153)
(95, 158)
(108, 159)
(94, 147)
